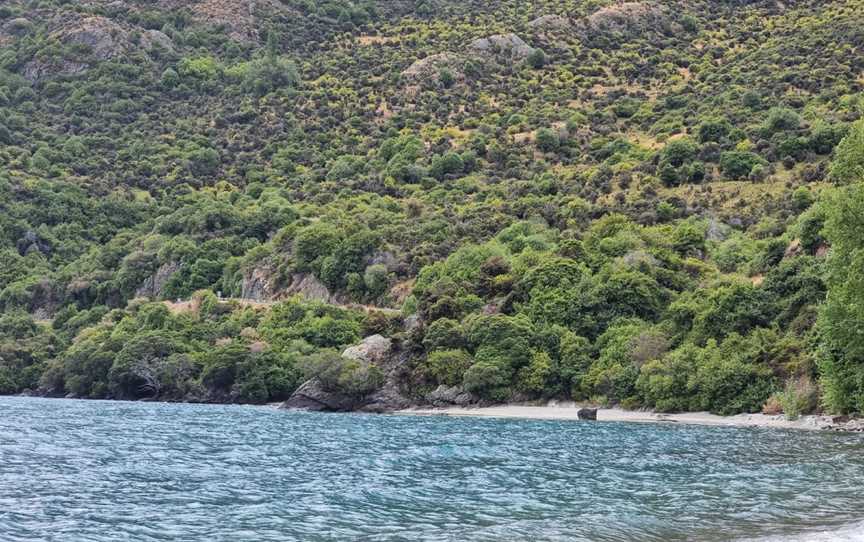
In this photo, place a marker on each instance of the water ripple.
(100, 471)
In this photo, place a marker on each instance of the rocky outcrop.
(509, 45)
(259, 284)
(154, 285)
(550, 22)
(312, 396)
(240, 17)
(430, 68)
(377, 351)
(445, 396)
(310, 288)
(626, 19)
(94, 39)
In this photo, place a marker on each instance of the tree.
(547, 140)
(536, 59)
(848, 164)
(842, 315)
(737, 165)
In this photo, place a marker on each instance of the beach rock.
(444, 396)
(587, 414)
(313, 397)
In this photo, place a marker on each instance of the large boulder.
(313, 397)
(373, 349)
(444, 396)
(587, 414)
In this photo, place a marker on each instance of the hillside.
(653, 204)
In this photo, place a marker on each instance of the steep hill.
(615, 201)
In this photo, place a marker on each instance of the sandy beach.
(569, 412)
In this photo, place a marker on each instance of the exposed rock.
(429, 68)
(95, 39)
(717, 231)
(241, 18)
(14, 28)
(32, 242)
(793, 249)
(587, 414)
(444, 396)
(507, 44)
(313, 397)
(387, 259)
(550, 22)
(155, 38)
(154, 285)
(310, 288)
(626, 19)
(373, 349)
(259, 284)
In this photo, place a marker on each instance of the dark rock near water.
(445, 396)
(312, 396)
(587, 414)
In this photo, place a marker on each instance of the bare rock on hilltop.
(627, 18)
(429, 68)
(95, 39)
(506, 44)
(550, 22)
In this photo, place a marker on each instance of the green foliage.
(739, 165)
(848, 164)
(447, 366)
(522, 209)
(842, 314)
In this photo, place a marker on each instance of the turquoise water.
(98, 470)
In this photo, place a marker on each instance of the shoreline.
(569, 413)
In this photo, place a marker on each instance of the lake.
(101, 470)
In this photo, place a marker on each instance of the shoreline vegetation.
(568, 412)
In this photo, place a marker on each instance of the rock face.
(507, 44)
(154, 285)
(375, 350)
(258, 284)
(309, 287)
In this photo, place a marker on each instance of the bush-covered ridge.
(619, 202)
